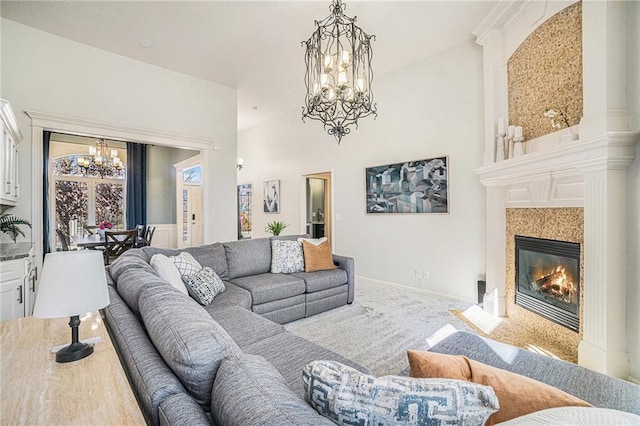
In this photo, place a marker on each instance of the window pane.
(71, 203)
(110, 204)
(192, 175)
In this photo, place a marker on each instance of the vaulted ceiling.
(253, 46)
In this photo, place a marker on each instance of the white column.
(496, 250)
(495, 89)
(603, 67)
(603, 347)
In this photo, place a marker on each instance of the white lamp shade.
(72, 283)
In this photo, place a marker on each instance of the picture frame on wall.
(409, 187)
(271, 192)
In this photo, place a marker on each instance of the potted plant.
(10, 224)
(275, 228)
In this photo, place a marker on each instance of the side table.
(36, 390)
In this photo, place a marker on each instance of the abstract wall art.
(271, 190)
(409, 187)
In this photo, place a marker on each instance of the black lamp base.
(74, 352)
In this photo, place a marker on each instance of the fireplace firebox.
(548, 279)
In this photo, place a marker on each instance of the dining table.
(95, 241)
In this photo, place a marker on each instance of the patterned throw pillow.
(286, 257)
(349, 397)
(185, 263)
(204, 285)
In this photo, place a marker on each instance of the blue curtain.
(136, 184)
(46, 142)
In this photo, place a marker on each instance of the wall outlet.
(425, 275)
(419, 273)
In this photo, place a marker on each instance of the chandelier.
(101, 160)
(338, 76)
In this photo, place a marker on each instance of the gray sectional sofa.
(190, 365)
(232, 362)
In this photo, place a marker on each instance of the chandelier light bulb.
(331, 94)
(324, 80)
(342, 78)
(328, 62)
(345, 59)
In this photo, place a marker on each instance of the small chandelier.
(101, 159)
(338, 76)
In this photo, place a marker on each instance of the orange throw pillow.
(518, 395)
(317, 257)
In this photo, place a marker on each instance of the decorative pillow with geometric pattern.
(286, 257)
(348, 397)
(185, 263)
(204, 285)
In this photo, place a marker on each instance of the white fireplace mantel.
(590, 172)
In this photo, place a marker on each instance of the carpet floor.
(382, 323)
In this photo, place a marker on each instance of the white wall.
(429, 109)
(633, 191)
(46, 73)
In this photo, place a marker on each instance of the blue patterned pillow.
(350, 397)
(286, 257)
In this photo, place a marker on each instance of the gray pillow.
(348, 397)
(188, 339)
(204, 285)
(250, 392)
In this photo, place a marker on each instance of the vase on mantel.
(569, 136)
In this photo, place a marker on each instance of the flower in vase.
(105, 224)
(558, 117)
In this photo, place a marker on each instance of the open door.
(319, 211)
(189, 202)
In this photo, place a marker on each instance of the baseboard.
(422, 290)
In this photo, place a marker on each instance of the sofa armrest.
(182, 410)
(347, 264)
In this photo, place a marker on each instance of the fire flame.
(556, 283)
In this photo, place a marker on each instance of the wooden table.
(94, 241)
(36, 390)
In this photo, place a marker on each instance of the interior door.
(319, 211)
(195, 209)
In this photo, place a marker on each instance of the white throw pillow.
(166, 270)
(286, 257)
(314, 241)
(185, 263)
(583, 416)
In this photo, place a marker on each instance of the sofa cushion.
(211, 255)
(248, 257)
(181, 410)
(298, 353)
(188, 339)
(245, 327)
(130, 259)
(286, 257)
(250, 392)
(204, 285)
(269, 287)
(232, 296)
(132, 282)
(347, 396)
(322, 280)
(510, 388)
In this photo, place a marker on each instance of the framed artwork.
(271, 191)
(409, 187)
(245, 210)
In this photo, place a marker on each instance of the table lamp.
(72, 283)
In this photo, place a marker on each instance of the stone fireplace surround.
(590, 173)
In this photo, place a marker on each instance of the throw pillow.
(185, 263)
(166, 270)
(204, 285)
(576, 416)
(314, 241)
(286, 257)
(317, 257)
(349, 397)
(518, 395)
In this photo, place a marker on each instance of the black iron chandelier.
(339, 75)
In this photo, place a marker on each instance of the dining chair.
(91, 229)
(63, 239)
(150, 231)
(117, 242)
(141, 231)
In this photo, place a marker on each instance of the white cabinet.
(17, 287)
(10, 136)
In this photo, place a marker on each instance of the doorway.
(189, 202)
(319, 208)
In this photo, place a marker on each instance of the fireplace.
(548, 279)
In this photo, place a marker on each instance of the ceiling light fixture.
(101, 160)
(338, 76)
